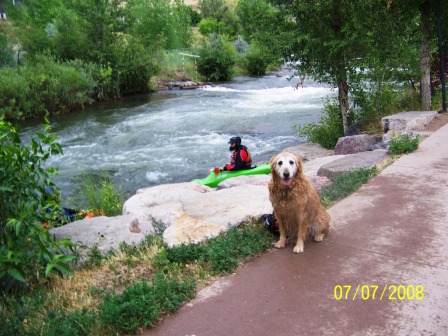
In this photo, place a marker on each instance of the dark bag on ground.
(270, 223)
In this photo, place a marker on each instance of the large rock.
(309, 151)
(192, 212)
(240, 181)
(311, 168)
(354, 162)
(407, 121)
(355, 144)
(104, 232)
(161, 199)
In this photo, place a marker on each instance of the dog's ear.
(299, 163)
(272, 161)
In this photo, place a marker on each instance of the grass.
(344, 184)
(403, 144)
(138, 285)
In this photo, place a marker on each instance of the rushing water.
(176, 136)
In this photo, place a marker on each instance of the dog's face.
(286, 165)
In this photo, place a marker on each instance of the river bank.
(191, 212)
(176, 136)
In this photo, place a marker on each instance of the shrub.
(99, 195)
(27, 250)
(194, 15)
(328, 130)
(135, 68)
(255, 61)
(217, 58)
(44, 86)
(403, 144)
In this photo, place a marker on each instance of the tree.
(158, 24)
(218, 9)
(213, 8)
(425, 10)
(340, 42)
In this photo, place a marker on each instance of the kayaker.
(241, 158)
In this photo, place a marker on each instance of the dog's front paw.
(319, 237)
(298, 248)
(280, 244)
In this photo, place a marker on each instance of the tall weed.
(98, 194)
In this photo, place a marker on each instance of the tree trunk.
(425, 59)
(343, 103)
(341, 74)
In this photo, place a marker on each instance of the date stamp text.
(376, 292)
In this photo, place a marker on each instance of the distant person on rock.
(240, 159)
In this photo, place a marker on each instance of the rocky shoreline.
(190, 212)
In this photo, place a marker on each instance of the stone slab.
(408, 121)
(354, 162)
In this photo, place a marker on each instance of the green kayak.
(212, 181)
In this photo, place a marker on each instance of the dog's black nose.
(286, 175)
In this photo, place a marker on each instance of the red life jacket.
(241, 159)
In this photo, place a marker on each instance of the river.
(176, 136)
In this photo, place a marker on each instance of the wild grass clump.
(345, 184)
(99, 195)
(142, 303)
(403, 144)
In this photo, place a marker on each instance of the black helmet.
(235, 140)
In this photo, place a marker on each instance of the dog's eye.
(291, 162)
(280, 163)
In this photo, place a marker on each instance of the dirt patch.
(437, 122)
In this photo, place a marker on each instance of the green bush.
(403, 144)
(328, 130)
(194, 15)
(209, 26)
(27, 250)
(217, 58)
(44, 86)
(255, 62)
(134, 68)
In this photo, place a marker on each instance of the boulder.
(311, 168)
(159, 199)
(319, 182)
(354, 162)
(355, 144)
(192, 212)
(407, 121)
(104, 232)
(309, 151)
(239, 181)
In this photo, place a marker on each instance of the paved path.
(392, 233)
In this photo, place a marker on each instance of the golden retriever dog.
(296, 204)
